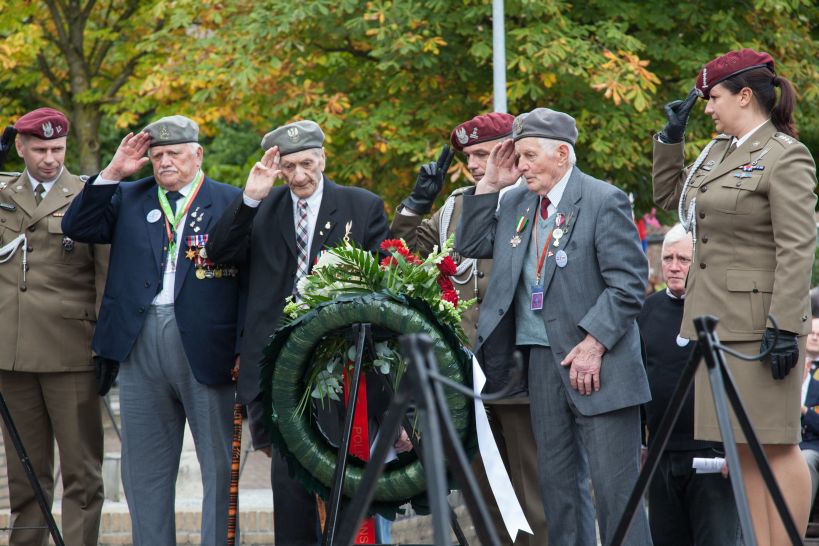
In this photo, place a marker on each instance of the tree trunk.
(86, 126)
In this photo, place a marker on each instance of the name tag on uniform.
(537, 298)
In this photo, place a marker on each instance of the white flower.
(327, 258)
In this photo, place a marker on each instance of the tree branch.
(122, 78)
(55, 81)
(59, 23)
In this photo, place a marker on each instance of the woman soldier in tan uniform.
(748, 201)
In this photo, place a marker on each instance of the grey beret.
(172, 130)
(294, 137)
(545, 123)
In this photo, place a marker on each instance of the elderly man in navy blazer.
(566, 245)
(280, 231)
(170, 315)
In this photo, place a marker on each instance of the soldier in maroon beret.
(748, 201)
(511, 421)
(48, 286)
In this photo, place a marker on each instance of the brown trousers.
(62, 406)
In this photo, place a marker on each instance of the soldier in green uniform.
(49, 288)
(748, 201)
(511, 420)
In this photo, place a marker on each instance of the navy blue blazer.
(810, 421)
(208, 311)
(263, 240)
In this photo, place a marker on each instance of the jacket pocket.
(738, 195)
(78, 310)
(750, 290)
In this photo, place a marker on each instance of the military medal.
(522, 221)
(153, 216)
(68, 244)
(174, 219)
(200, 273)
(560, 223)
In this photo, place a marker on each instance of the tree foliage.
(389, 79)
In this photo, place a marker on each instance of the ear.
(746, 96)
(18, 145)
(322, 160)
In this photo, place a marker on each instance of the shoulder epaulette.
(459, 191)
(784, 138)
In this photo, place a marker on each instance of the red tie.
(544, 207)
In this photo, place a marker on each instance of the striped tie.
(301, 244)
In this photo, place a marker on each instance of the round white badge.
(153, 216)
(561, 259)
(681, 341)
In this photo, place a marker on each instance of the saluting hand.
(263, 175)
(584, 362)
(677, 113)
(129, 158)
(501, 168)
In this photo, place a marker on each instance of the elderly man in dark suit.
(171, 316)
(279, 232)
(566, 245)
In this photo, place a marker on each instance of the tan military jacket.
(756, 232)
(421, 235)
(46, 320)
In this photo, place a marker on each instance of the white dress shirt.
(165, 296)
(556, 193)
(47, 185)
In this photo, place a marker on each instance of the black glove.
(785, 353)
(677, 113)
(105, 372)
(429, 183)
(6, 143)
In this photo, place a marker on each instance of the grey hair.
(674, 235)
(193, 146)
(550, 146)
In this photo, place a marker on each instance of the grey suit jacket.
(600, 290)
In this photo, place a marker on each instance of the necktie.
(731, 148)
(173, 197)
(544, 207)
(38, 193)
(301, 244)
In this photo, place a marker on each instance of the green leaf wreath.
(306, 359)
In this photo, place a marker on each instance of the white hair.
(193, 146)
(550, 146)
(674, 235)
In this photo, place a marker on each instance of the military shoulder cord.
(689, 221)
(7, 252)
(466, 264)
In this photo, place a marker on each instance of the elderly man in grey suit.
(567, 244)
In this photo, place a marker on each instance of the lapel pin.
(153, 216)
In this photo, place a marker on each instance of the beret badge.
(460, 134)
(48, 130)
(519, 123)
(293, 134)
(164, 133)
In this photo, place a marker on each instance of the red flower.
(445, 284)
(447, 266)
(451, 296)
(389, 261)
(388, 245)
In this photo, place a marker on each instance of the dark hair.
(763, 83)
(814, 301)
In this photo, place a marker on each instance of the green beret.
(294, 137)
(545, 123)
(172, 130)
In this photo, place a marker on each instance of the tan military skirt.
(773, 406)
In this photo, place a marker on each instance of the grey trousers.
(611, 442)
(158, 392)
(812, 458)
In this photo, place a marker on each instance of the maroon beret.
(482, 128)
(44, 123)
(730, 64)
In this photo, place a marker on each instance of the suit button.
(704, 239)
(702, 266)
(147, 284)
(702, 215)
(704, 189)
(141, 310)
(29, 248)
(500, 312)
(755, 291)
(23, 288)
(478, 300)
(2, 220)
(480, 339)
(480, 274)
(32, 228)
